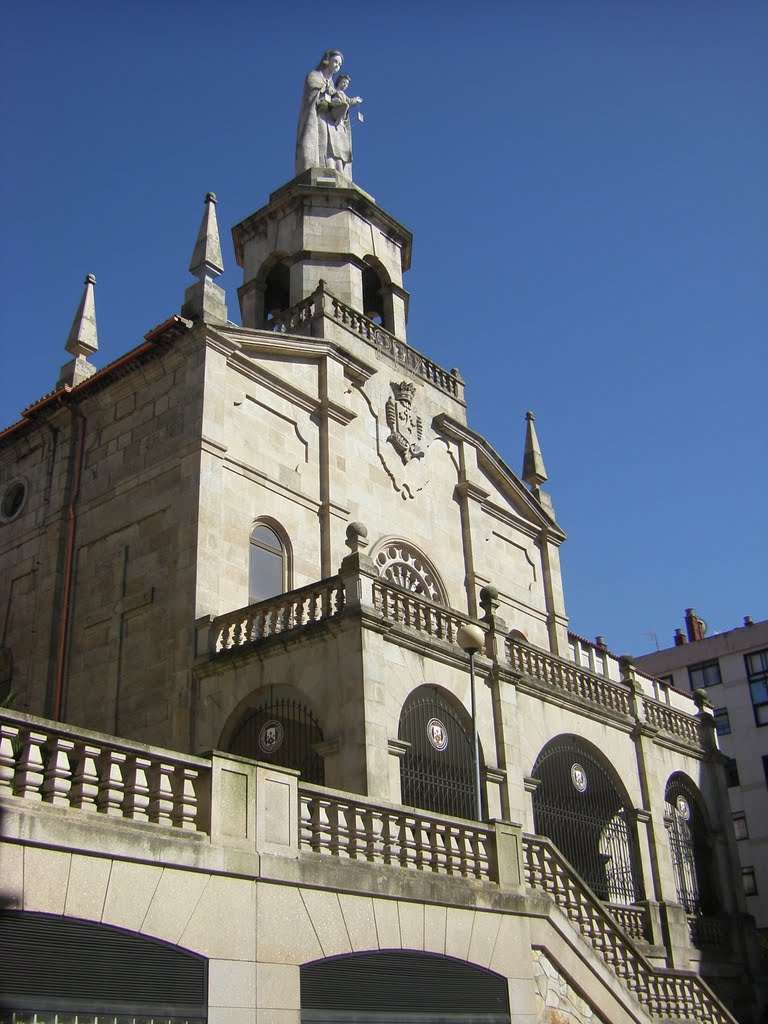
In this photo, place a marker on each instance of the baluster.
(136, 780)
(305, 821)
(406, 841)
(85, 779)
(58, 772)
(185, 808)
(161, 798)
(390, 835)
(8, 733)
(30, 767)
(109, 799)
(323, 827)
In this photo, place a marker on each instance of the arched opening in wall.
(690, 846)
(580, 807)
(407, 986)
(375, 278)
(281, 731)
(53, 964)
(268, 562)
(277, 288)
(437, 770)
(404, 565)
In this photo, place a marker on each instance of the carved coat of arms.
(405, 428)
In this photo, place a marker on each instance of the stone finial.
(534, 472)
(82, 340)
(489, 600)
(627, 668)
(357, 537)
(206, 259)
(205, 300)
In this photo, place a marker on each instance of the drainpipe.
(72, 518)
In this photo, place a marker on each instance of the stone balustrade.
(59, 765)
(675, 723)
(399, 351)
(569, 678)
(339, 825)
(666, 994)
(408, 609)
(303, 607)
(298, 318)
(712, 932)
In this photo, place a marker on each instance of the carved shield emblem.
(405, 427)
(578, 777)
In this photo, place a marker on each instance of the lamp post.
(471, 639)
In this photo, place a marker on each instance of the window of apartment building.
(722, 722)
(705, 674)
(757, 677)
(740, 825)
(749, 881)
(669, 680)
(765, 768)
(732, 771)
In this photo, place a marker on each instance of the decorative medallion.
(271, 736)
(405, 428)
(437, 734)
(683, 808)
(578, 777)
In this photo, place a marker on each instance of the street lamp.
(471, 639)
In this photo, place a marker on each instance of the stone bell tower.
(321, 226)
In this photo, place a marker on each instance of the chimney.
(680, 638)
(694, 626)
(748, 620)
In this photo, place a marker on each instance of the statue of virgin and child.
(324, 135)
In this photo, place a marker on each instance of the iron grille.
(690, 849)
(282, 732)
(578, 807)
(436, 773)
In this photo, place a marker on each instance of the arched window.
(579, 807)
(688, 840)
(267, 575)
(375, 279)
(277, 289)
(283, 732)
(437, 771)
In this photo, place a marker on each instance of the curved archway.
(403, 564)
(279, 728)
(375, 282)
(580, 805)
(437, 770)
(408, 986)
(690, 846)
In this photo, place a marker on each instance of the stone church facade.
(262, 542)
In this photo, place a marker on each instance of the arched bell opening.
(277, 288)
(690, 846)
(437, 769)
(580, 806)
(279, 728)
(403, 985)
(375, 296)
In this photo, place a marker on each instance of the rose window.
(401, 564)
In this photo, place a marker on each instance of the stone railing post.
(509, 868)
(254, 806)
(358, 571)
(204, 639)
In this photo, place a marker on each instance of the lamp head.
(470, 638)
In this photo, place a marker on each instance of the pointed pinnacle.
(534, 472)
(206, 258)
(83, 339)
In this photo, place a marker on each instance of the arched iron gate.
(691, 859)
(579, 808)
(282, 732)
(436, 772)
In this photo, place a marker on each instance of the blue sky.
(586, 184)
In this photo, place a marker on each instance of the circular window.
(13, 499)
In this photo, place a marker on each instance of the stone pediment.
(526, 508)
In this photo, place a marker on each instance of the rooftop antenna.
(655, 637)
